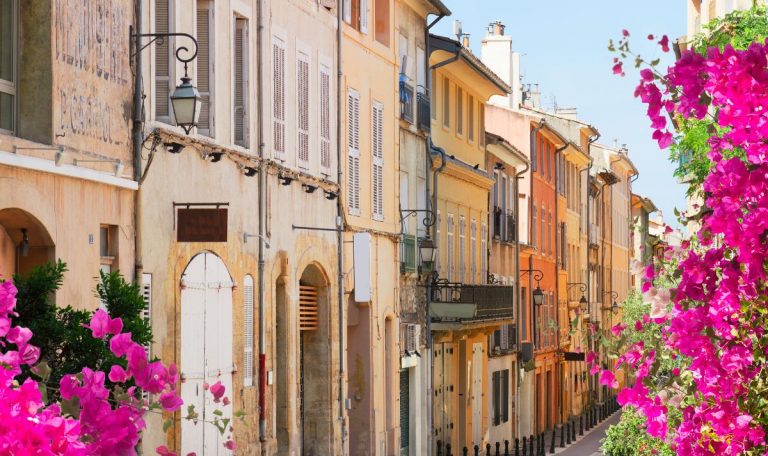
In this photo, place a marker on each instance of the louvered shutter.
(353, 158)
(204, 66)
(377, 147)
(496, 398)
(325, 120)
(473, 251)
(484, 253)
(364, 16)
(248, 331)
(462, 248)
(302, 112)
(347, 11)
(241, 83)
(162, 63)
(405, 413)
(504, 395)
(278, 98)
(449, 247)
(146, 293)
(309, 319)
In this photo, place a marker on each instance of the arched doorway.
(24, 242)
(206, 350)
(314, 376)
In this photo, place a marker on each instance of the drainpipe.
(428, 162)
(590, 141)
(557, 274)
(138, 140)
(262, 229)
(340, 229)
(518, 176)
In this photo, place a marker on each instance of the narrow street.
(589, 444)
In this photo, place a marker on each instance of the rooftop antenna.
(457, 29)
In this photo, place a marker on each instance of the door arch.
(24, 242)
(206, 349)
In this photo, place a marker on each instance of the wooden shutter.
(248, 331)
(278, 98)
(405, 413)
(504, 381)
(496, 398)
(309, 318)
(462, 248)
(459, 110)
(241, 82)
(302, 112)
(473, 251)
(471, 118)
(377, 147)
(449, 249)
(484, 252)
(146, 293)
(162, 62)
(364, 16)
(325, 120)
(347, 11)
(204, 66)
(481, 125)
(353, 154)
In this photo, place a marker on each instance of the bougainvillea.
(90, 419)
(713, 319)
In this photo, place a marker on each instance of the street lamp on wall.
(427, 253)
(186, 100)
(615, 305)
(537, 294)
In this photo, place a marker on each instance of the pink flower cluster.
(103, 425)
(715, 321)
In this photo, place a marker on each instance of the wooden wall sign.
(201, 225)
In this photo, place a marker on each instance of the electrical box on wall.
(362, 266)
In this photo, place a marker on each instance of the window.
(449, 248)
(420, 79)
(302, 112)
(534, 225)
(446, 103)
(500, 397)
(524, 319)
(162, 63)
(438, 222)
(240, 73)
(8, 20)
(543, 232)
(462, 248)
(381, 21)
(108, 248)
(459, 110)
(473, 251)
(356, 14)
(205, 83)
(471, 118)
(481, 126)
(278, 97)
(484, 252)
(325, 119)
(248, 331)
(353, 157)
(550, 235)
(377, 148)
(534, 156)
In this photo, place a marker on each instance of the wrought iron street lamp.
(186, 100)
(538, 296)
(582, 288)
(615, 296)
(427, 252)
(537, 275)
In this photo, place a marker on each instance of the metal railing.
(491, 302)
(424, 115)
(406, 102)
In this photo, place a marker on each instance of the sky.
(564, 48)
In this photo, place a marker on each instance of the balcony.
(406, 102)
(456, 303)
(409, 254)
(503, 225)
(424, 115)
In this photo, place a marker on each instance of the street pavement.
(589, 444)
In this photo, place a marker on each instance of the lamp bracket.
(537, 274)
(428, 221)
(160, 39)
(582, 286)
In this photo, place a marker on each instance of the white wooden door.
(477, 394)
(206, 350)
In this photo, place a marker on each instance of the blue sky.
(563, 46)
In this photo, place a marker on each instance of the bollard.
(573, 431)
(448, 449)
(477, 450)
(465, 451)
(531, 449)
(506, 448)
(562, 435)
(552, 440)
(568, 433)
(498, 449)
(543, 445)
(517, 446)
(439, 448)
(525, 446)
(488, 449)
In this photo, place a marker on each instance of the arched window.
(248, 333)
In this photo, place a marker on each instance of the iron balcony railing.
(406, 102)
(456, 302)
(409, 254)
(424, 115)
(503, 225)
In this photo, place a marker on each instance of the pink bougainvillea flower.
(170, 401)
(664, 43)
(117, 374)
(618, 68)
(217, 389)
(625, 33)
(608, 379)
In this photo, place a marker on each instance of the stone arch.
(25, 242)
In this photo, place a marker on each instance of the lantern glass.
(187, 104)
(538, 296)
(427, 252)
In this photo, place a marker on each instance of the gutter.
(138, 141)
(590, 141)
(340, 230)
(262, 229)
(558, 253)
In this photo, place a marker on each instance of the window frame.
(7, 87)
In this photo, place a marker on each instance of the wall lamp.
(615, 296)
(213, 156)
(250, 171)
(582, 288)
(538, 295)
(248, 235)
(58, 157)
(118, 164)
(24, 244)
(285, 180)
(309, 188)
(331, 195)
(174, 147)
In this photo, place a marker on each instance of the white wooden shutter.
(302, 111)
(146, 293)
(347, 11)
(420, 75)
(462, 248)
(278, 97)
(473, 251)
(248, 331)
(205, 66)
(484, 253)
(162, 63)
(309, 316)
(449, 247)
(438, 238)
(241, 83)
(377, 147)
(364, 16)
(353, 153)
(325, 119)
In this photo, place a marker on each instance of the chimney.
(465, 40)
(497, 54)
